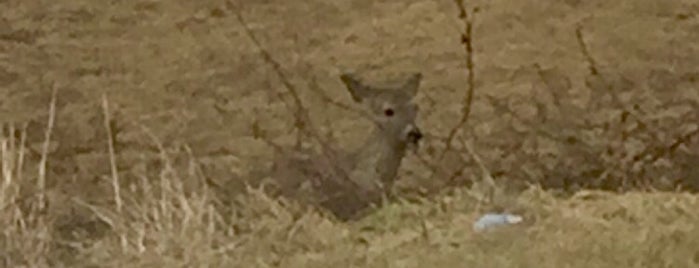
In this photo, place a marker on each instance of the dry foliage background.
(567, 95)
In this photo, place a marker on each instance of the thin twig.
(113, 165)
(22, 146)
(12, 145)
(467, 41)
(6, 166)
(301, 114)
(303, 121)
(45, 149)
(592, 64)
(112, 153)
(634, 113)
(485, 172)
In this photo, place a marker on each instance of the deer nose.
(414, 135)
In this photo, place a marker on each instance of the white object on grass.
(495, 219)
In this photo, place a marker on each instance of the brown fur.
(346, 183)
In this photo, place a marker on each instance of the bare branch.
(592, 65)
(301, 116)
(467, 41)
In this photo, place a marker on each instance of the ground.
(192, 105)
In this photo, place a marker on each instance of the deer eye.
(388, 112)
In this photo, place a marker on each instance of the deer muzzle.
(413, 135)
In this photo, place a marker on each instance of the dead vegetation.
(133, 133)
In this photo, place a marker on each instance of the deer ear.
(412, 84)
(357, 90)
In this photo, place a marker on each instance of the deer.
(348, 182)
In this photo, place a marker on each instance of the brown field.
(152, 149)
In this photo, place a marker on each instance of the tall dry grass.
(163, 223)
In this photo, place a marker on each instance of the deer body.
(346, 183)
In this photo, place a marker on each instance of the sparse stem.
(467, 41)
(41, 183)
(112, 154)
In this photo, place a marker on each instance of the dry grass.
(131, 131)
(162, 225)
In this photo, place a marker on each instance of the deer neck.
(377, 161)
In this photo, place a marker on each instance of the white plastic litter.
(494, 220)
